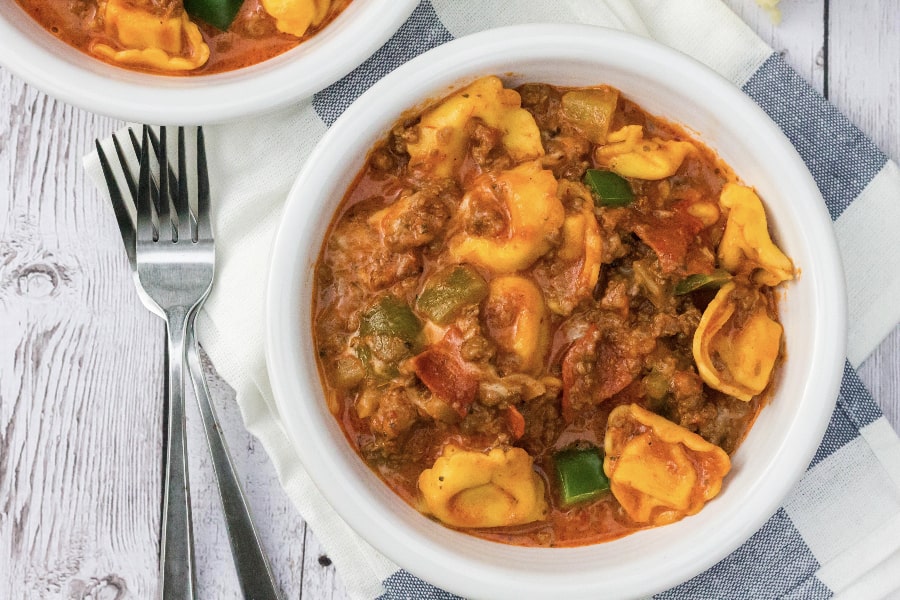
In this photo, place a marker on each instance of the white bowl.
(56, 68)
(787, 432)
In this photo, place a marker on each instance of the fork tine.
(123, 217)
(164, 210)
(154, 143)
(144, 202)
(129, 177)
(182, 202)
(204, 225)
(173, 180)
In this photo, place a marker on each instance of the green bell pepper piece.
(448, 291)
(702, 281)
(218, 13)
(579, 471)
(608, 188)
(391, 316)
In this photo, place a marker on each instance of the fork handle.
(253, 570)
(177, 565)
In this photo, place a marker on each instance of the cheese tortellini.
(659, 471)
(630, 155)
(524, 327)
(146, 39)
(297, 16)
(737, 360)
(582, 246)
(534, 212)
(465, 488)
(442, 137)
(746, 238)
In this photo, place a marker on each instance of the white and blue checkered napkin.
(838, 532)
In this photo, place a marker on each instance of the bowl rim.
(49, 64)
(445, 67)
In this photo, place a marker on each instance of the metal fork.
(178, 580)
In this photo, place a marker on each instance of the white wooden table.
(80, 358)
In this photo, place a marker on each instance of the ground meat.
(567, 156)
(384, 268)
(422, 219)
(543, 424)
(394, 415)
(543, 102)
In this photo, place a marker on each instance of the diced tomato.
(612, 360)
(443, 371)
(577, 387)
(516, 422)
(670, 235)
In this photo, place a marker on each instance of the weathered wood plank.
(281, 529)
(864, 68)
(79, 409)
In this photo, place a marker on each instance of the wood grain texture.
(864, 68)
(80, 393)
(80, 369)
(81, 506)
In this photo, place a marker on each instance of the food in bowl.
(545, 317)
(771, 458)
(183, 37)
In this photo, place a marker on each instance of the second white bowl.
(83, 81)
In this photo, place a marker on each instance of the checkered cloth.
(838, 532)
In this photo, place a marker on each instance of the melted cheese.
(659, 471)
(297, 16)
(442, 138)
(476, 489)
(170, 44)
(630, 155)
(746, 237)
(535, 214)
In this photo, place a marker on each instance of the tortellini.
(737, 360)
(630, 155)
(465, 488)
(442, 137)
(582, 247)
(746, 237)
(297, 16)
(534, 214)
(659, 471)
(171, 43)
(518, 321)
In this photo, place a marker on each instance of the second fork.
(254, 573)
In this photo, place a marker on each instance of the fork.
(196, 261)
